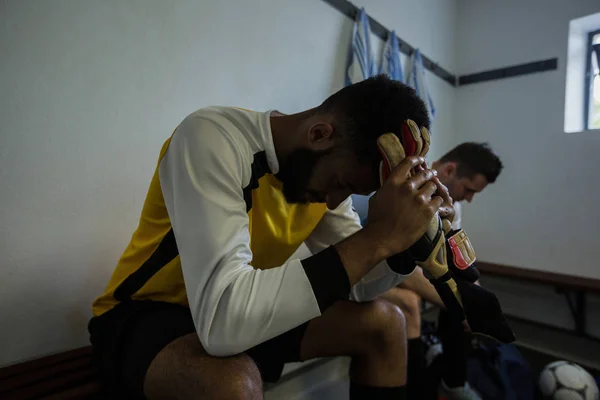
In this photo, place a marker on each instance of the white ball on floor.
(563, 380)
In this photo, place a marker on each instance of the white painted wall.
(90, 90)
(543, 211)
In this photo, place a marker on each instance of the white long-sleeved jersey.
(216, 233)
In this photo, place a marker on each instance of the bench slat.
(553, 278)
(36, 376)
(44, 362)
(52, 386)
(81, 392)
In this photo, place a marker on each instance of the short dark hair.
(474, 158)
(368, 109)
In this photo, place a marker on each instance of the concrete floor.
(327, 380)
(558, 345)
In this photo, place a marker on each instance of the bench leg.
(578, 307)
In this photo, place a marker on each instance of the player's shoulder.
(218, 127)
(232, 135)
(225, 115)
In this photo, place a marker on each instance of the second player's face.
(466, 188)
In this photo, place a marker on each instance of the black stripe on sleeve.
(164, 254)
(328, 277)
(402, 263)
(260, 167)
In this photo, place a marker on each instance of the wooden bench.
(65, 376)
(574, 288)
(71, 375)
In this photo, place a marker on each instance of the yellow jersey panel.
(150, 267)
(278, 228)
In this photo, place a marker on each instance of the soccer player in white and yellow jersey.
(205, 302)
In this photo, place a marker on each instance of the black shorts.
(126, 339)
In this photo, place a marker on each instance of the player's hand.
(446, 209)
(401, 210)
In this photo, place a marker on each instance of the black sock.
(416, 368)
(363, 392)
(455, 344)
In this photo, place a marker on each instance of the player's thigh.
(184, 370)
(148, 349)
(354, 329)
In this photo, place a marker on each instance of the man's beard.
(296, 172)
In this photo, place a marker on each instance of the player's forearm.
(241, 307)
(359, 253)
(421, 286)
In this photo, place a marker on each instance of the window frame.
(588, 80)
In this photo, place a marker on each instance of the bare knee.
(183, 370)
(385, 326)
(245, 384)
(411, 304)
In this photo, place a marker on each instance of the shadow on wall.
(541, 303)
(49, 312)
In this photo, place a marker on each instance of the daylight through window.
(593, 82)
